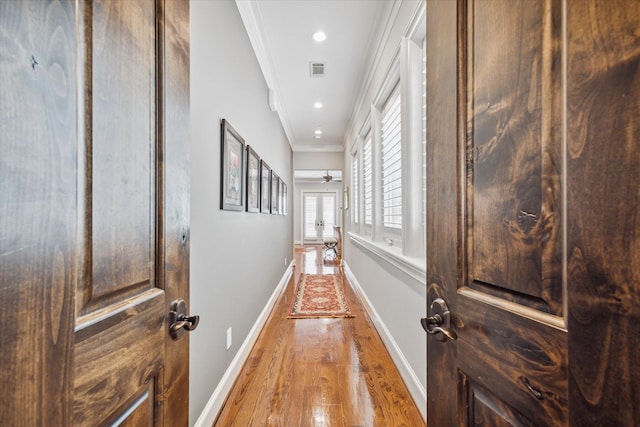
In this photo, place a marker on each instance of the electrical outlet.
(229, 340)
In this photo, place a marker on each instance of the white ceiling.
(281, 34)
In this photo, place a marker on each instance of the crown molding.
(252, 20)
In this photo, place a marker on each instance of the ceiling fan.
(329, 178)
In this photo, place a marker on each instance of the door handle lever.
(440, 322)
(179, 321)
(183, 322)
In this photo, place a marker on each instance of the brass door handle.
(439, 323)
(179, 321)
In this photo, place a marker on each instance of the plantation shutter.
(355, 184)
(391, 162)
(366, 178)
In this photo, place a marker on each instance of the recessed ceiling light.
(318, 132)
(317, 105)
(319, 36)
(317, 136)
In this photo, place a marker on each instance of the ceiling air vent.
(317, 69)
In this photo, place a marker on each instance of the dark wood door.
(525, 123)
(94, 212)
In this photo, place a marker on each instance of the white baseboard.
(416, 389)
(213, 406)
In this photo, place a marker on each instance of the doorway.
(319, 216)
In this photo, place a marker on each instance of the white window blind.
(366, 179)
(355, 177)
(391, 162)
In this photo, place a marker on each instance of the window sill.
(409, 265)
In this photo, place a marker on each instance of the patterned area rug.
(319, 295)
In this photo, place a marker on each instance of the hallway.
(319, 372)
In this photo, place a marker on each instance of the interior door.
(495, 214)
(319, 211)
(95, 211)
(533, 252)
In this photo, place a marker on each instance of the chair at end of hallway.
(332, 246)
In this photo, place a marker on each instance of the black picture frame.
(265, 187)
(252, 180)
(232, 163)
(285, 201)
(281, 197)
(275, 183)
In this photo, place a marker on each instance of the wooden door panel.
(120, 329)
(139, 412)
(513, 142)
(512, 339)
(174, 78)
(523, 363)
(94, 213)
(116, 356)
(121, 137)
(443, 228)
(603, 247)
(487, 410)
(500, 271)
(543, 293)
(123, 140)
(38, 156)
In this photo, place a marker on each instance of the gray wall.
(237, 258)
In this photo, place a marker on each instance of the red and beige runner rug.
(319, 295)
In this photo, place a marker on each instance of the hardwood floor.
(318, 372)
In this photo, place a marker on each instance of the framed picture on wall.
(265, 187)
(285, 202)
(275, 183)
(253, 181)
(281, 197)
(231, 168)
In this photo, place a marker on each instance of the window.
(355, 196)
(367, 180)
(389, 158)
(391, 162)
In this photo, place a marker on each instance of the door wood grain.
(494, 222)
(37, 210)
(95, 211)
(603, 247)
(532, 226)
